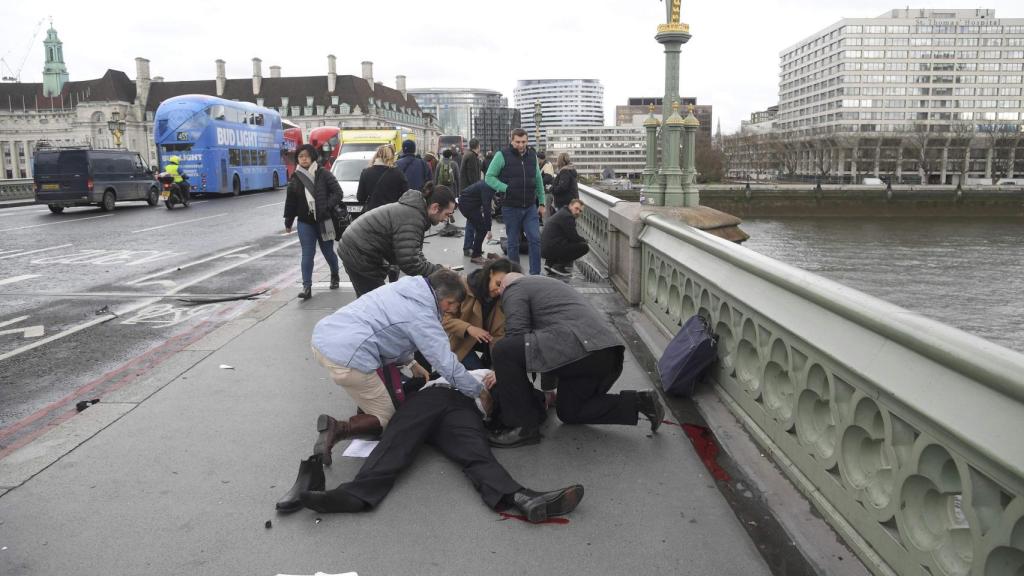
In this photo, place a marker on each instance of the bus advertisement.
(291, 142)
(327, 142)
(224, 146)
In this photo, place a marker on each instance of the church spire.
(55, 73)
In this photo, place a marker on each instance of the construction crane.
(14, 74)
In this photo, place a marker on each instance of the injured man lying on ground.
(452, 422)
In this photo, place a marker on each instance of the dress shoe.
(331, 431)
(336, 500)
(648, 404)
(539, 506)
(311, 477)
(335, 281)
(478, 260)
(520, 436)
(307, 292)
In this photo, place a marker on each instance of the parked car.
(347, 169)
(873, 182)
(1010, 182)
(66, 177)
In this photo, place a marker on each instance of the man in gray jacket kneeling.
(551, 328)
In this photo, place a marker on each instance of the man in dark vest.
(515, 174)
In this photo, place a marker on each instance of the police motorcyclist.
(180, 179)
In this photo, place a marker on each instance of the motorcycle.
(173, 193)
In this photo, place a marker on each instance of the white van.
(872, 182)
(347, 168)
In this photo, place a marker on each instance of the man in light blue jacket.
(387, 326)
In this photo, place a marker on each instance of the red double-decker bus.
(292, 141)
(327, 141)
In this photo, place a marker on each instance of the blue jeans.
(309, 237)
(526, 220)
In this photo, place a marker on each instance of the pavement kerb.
(75, 429)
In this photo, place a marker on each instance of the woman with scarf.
(480, 321)
(312, 192)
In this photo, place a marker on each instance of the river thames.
(968, 273)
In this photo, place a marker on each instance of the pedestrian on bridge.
(417, 172)
(480, 321)
(393, 234)
(551, 328)
(515, 175)
(561, 244)
(312, 192)
(475, 203)
(381, 169)
(386, 327)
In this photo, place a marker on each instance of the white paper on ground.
(360, 448)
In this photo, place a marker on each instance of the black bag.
(688, 356)
(524, 245)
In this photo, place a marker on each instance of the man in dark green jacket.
(515, 174)
(393, 234)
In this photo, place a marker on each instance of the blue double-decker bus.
(224, 146)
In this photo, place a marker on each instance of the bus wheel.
(236, 186)
(277, 183)
(108, 201)
(55, 208)
(153, 198)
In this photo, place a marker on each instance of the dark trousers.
(476, 229)
(362, 283)
(583, 386)
(449, 421)
(566, 253)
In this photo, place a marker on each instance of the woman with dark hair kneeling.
(479, 322)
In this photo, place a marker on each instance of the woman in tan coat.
(479, 321)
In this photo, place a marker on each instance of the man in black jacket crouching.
(560, 243)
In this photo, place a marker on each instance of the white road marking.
(164, 283)
(55, 223)
(20, 253)
(176, 223)
(10, 212)
(274, 204)
(18, 279)
(139, 306)
(107, 257)
(28, 331)
(189, 265)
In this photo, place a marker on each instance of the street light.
(536, 123)
(116, 127)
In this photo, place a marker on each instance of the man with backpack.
(416, 170)
(447, 172)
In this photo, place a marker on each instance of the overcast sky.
(731, 62)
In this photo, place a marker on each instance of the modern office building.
(761, 122)
(918, 94)
(60, 111)
(470, 113)
(636, 111)
(564, 103)
(595, 149)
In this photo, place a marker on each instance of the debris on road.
(226, 367)
(82, 405)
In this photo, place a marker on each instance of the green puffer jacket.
(392, 233)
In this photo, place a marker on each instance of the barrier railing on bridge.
(904, 433)
(593, 222)
(20, 189)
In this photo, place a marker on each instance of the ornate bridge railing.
(905, 433)
(20, 189)
(593, 222)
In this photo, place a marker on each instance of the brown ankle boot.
(331, 431)
(364, 425)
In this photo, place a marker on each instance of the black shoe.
(539, 506)
(336, 500)
(311, 477)
(335, 281)
(307, 292)
(515, 437)
(648, 404)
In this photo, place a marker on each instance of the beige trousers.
(366, 389)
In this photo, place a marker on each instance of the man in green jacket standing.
(514, 173)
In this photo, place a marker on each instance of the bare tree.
(921, 143)
(963, 134)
